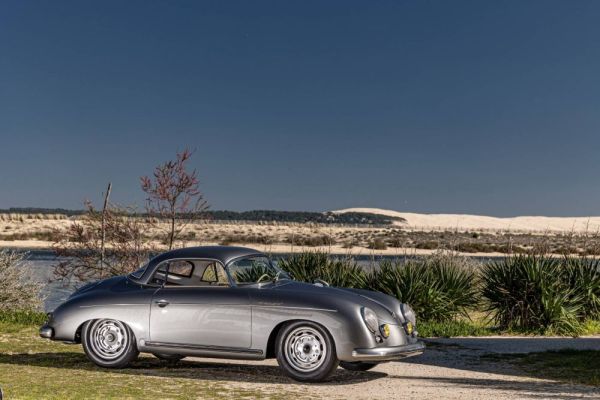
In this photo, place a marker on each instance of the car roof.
(224, 254)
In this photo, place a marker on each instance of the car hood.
(384, 309)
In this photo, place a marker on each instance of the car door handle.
(162, 303)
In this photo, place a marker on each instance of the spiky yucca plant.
(438, 287)
(310, 266)
(583, 276)
(529, 292)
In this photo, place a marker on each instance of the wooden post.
(106, 195)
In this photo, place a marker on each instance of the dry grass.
(22, 230)
(33, 368)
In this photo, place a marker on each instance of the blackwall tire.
(109, 343)
(306, 352)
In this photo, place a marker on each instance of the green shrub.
(438, 287)
(310, 266)
(531, 293)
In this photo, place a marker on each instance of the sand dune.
(480, 222)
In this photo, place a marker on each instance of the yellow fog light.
(409, 327)
(385, 330)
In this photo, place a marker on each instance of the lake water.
(41, 265)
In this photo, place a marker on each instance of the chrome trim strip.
(201, 347)
(386, 353)
(118, 304)
(294, 308)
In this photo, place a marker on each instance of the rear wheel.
(306, 352)
(109, 343)
(357, 366)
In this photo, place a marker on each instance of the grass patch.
(22, 317)
(572, 366)
(429, 329)
(32, 368)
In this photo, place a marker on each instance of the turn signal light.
(385, 330)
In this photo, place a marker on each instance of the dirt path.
(449, 369)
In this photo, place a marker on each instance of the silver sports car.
(233, 302)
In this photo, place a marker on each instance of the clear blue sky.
(487, 107)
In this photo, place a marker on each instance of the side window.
(214, 274)
(179, 273)
(181, 268)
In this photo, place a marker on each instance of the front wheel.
(306, 352)
(109, 343)
(357, 366)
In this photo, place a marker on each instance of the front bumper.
(388, 353)
(46, 332)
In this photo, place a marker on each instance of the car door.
(200, 314)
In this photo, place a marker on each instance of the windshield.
(255, 269)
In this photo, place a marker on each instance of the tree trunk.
(103, 240)
(172, 233)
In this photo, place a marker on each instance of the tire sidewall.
(324, 371)
(122, 361)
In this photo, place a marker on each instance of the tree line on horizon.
(351, 218)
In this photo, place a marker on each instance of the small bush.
(427, 245)
(18, 292)
(377, 244)
(310, 266)
(395, 242)
(312, 241)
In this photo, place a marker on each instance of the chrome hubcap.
(108, 338)
(305, 349)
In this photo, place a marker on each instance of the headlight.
(370, 319)
(409, 314)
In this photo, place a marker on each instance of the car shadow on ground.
(523, 389)
(237, 371)
(495, 356)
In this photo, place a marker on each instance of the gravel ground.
(449, 369)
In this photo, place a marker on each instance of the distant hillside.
(352, 218)
(482, 222)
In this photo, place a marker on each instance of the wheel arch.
(270, 350)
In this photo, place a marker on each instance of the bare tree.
(101, 244)
(174, 195)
